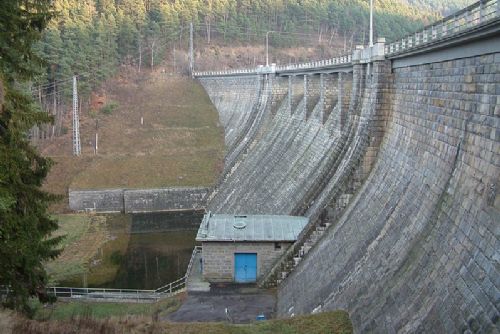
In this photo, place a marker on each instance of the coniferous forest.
(92, 38)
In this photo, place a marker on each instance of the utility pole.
(371, 23)
(140, 55)
(174, 58)
(76, 120)
(191, 55)
(267, 47)
(96, 135)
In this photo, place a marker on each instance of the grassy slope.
(62, 310)
(84, 235)
(323, 323)
(180, 143)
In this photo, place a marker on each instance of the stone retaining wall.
(138, 200)
(417, 250)
(407, 164)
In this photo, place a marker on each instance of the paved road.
(243, 306)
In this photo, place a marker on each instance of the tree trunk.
(54, 110)
(140, 56)
(152, 55)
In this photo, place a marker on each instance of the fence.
(475, 15)
(341, 60)
(125, 295)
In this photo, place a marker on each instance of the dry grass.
(336, 322)
(8, 320)
(146, 312)
(180, 143)
(84, 235)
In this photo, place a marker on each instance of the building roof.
(223, 227)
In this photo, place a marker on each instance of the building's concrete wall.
(138, 200)
(418, 248)
(218, 258)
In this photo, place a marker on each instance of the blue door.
(245, 267)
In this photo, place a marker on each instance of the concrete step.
(198, 287)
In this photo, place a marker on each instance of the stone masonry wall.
(418, 248)
(218, 258)
(148, 200)
(137, 200)
(104, 200)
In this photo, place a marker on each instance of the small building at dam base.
(242, 248)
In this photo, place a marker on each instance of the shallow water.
(144, 251)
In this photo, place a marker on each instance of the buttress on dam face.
(393, 154)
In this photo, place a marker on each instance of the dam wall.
(295, 147)
(418, 248)
(393, 153)
(235, 99)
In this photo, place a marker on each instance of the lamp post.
(371, 23)
(267, 47)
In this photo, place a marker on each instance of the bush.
(109, 107)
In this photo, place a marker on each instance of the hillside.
(93, 38)
(445, 7)
(179, 143)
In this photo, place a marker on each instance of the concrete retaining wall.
(138, 200)
(147, 200)
(105, 200)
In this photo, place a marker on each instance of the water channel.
(143, 251)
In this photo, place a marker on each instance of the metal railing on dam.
(473, 17)
(273, 68)
(123, 295)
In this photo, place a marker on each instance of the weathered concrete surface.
(235, 99)
(138, 200)
(418, 248)
(148, 200)
(103, 200)
(289, 155)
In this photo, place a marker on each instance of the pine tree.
(25, 225)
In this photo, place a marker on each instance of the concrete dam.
(393, 152)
